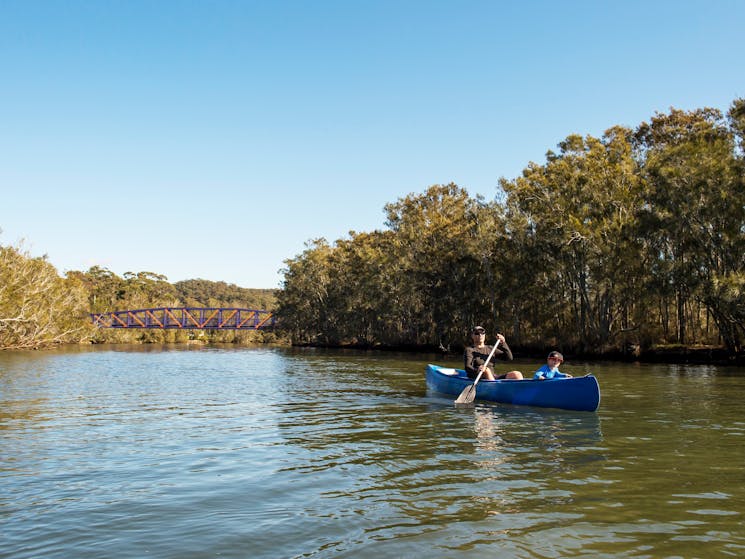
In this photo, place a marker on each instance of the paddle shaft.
(486, 363)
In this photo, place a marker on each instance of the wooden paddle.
(469, 392)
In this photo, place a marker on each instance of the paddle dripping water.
(224, 452)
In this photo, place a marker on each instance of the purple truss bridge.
(187, 318)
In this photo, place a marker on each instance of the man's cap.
(556, 354)
(478, 330)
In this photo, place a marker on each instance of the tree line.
(624, 242)
(39, 308)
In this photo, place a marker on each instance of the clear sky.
(212, 139)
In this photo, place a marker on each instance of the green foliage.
(636, 237)
(439, 255)
(109, 292)
(38, 308)
(694, 215)
(303, 304)
(575, 218)
(205, 293)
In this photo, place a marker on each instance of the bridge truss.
(188, 318)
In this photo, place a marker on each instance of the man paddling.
(475, 356)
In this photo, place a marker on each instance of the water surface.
(182, 452)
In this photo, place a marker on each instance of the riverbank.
(685, 354)
(699, 355)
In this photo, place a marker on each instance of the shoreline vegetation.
(628, 247)
(671, 354)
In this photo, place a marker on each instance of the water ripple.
(262, 453)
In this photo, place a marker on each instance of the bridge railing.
(190, 318)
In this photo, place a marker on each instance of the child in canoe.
(551, 368)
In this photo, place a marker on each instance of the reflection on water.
(206, 452)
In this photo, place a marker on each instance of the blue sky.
(212, 139)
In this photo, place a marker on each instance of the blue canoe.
(576, 393)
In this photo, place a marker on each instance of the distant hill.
(205, 293)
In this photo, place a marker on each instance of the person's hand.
(500, 337)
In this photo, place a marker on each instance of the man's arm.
(468, 360)
(504, 352)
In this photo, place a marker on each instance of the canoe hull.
(577, 393)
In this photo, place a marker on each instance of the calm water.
(269, 453)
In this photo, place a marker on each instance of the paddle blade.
(467, 396)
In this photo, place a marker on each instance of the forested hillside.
(38, 308)
(205, 293)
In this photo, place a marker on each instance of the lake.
(201, 452)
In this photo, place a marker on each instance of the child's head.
(555, 358)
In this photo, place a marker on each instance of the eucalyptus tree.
(736, 115)
(148, 289)
(494, 282)
(573, 221)
(695, 215)
(37, 307)
(528, 289)
(723, 269)
(728, 288)
(303, 302)
(368, 290)
(105, 289)
(437, 253)
(348, 292)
